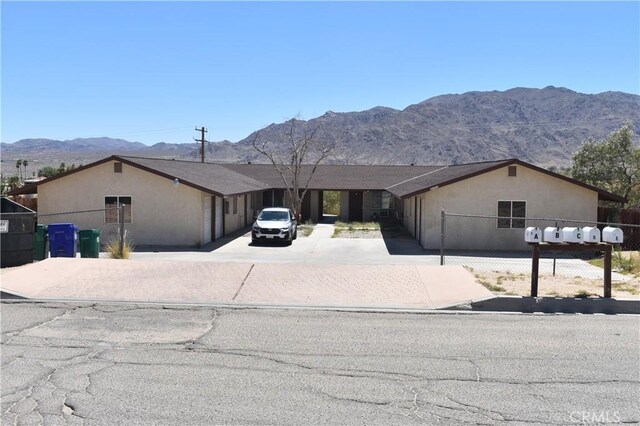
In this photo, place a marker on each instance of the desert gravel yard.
(520, 285)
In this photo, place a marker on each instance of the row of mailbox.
(588, 234)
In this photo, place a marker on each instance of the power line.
(202, 141)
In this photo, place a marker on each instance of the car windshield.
(270, 215)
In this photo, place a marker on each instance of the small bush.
(113, 248)
(626, 262)
(492, 287)
(306, 229)
(582, 294)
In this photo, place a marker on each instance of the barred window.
(112, 213)
(509, 211)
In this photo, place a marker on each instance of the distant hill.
(541, 126)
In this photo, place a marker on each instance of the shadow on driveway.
(207, 248)
(399, 242)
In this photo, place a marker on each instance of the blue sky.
(152, 71)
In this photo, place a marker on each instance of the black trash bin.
(17, 226)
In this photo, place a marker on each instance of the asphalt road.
(128, 364)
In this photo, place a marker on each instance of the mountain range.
(541, 126)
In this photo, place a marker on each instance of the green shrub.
(331, 202)
(626, 262)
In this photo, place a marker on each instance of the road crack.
(242, 284)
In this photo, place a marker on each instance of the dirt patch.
(548, 285)
(356, 233)
(304, 230)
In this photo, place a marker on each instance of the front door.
(418, 219)
(208, 221)
(355, 206)
(218, 213)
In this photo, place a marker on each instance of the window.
(380, 200)
(226, 206)
(513, 171)
(112, 213)
(235, 205)
(509, 212)
(117, 167)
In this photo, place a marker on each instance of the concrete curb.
(509, 306)
(5, 295)
(554, 305)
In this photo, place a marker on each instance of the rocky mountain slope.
(541, 126)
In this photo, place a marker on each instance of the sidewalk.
(322, 230)
(283, 284)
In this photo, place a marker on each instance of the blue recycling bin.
(63, 239)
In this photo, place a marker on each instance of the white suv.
(274, 223)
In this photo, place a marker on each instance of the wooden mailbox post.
(538, 247)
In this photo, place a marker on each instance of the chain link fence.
(111, 222)
(494, 250)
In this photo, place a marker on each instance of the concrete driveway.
(318, 248)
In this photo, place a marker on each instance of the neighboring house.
(191, 203)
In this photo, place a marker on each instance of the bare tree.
(289, 160)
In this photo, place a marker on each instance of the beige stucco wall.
(546, 196)
(234, 221)
(162, 214)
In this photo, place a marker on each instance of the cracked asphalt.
(105, 364)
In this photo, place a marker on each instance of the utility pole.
(202, 141)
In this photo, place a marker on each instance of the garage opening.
(330, 206)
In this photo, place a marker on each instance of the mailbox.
(612, 235)
(552, 234)
(571, 235)
(591, 234)
(533, 235)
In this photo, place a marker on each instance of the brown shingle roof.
(401, 181)
(451, 174)
(207, 177)
(442, 176)
(336, 177)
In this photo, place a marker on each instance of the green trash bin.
(40, 240)
(89, 243)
